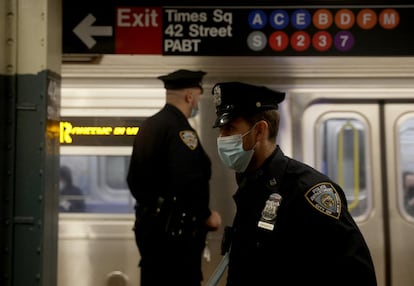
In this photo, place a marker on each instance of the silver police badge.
(269, 212)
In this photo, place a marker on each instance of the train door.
(96, 242)
(399, 134)
(367, 147)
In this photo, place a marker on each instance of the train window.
(94, 184)
(342, 154)
(115, 170)
(406, 158)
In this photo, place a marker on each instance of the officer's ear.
(190, 94)
(187, 95)
(261, 129)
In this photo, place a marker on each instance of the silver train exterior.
(352, 118)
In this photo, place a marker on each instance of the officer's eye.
(226, 130)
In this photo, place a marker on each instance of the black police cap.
(234, 99)
(182, 79)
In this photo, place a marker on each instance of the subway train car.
(349, 117)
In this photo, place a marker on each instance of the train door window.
(342, 154)
(405, 143)
(95, 184)
(115, 170)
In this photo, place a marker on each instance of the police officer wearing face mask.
(292, 225)
(169, 177)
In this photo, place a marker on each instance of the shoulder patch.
(189, 138)
(325, 199)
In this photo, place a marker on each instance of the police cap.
(182, 79)
(233, 99)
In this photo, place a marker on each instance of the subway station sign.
(325, 29)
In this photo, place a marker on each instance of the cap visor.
(222, 120)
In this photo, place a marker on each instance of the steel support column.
(30, 55)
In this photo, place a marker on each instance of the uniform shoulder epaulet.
(325, 198)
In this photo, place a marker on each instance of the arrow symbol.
(84, 30)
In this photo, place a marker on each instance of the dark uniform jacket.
(169, 178)
(306, 237)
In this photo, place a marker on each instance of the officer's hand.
(214, 221)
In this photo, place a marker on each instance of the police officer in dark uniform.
(169, 177)
(292, 226)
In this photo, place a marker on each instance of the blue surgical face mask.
(231, 152)
(194, 111)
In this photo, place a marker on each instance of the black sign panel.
(98, 131)
(84, 23)
(326, 29)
